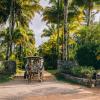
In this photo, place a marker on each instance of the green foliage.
(89, 34)
(19, 71)
(88, 52)
(81, 71)
(50, 13)
(5, 77)
(18, 40)
(24, 10)
(48, 51)
(87, 55)
(23, 44)
(2, 67)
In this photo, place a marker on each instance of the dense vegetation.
(16, 39)
(83, 33)
(80, 71)
(88, 51)
(70, 27)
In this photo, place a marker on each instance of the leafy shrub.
(88, 43)
(19, 63)
(19, 71)
(81, 71)
(2, 67)
(50, 61)
(87, 54)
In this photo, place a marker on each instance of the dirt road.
(54, 90)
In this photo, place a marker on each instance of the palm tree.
(24, 10)
(50, 30)
(88, 6)
(26, 40)
(4, 11)
(51, 15)
(20, 39)
(19, 13)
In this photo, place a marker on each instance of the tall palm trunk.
(7, 52)
(58, 23)
(11, 28)
(20, 51)
(90, 6)
(12, 24)
(65, 55)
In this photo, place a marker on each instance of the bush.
(2, 67)
(50, 61)
(87, 54)
(88, 43)
(81, 71)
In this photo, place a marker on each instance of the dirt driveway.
(54, 90)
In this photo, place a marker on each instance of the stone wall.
(8, 67)
(61, 65)
(82, 81)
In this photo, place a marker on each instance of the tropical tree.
(50, 30)
(19, 13)
(52, 13)
(88, 6)
(48, 51)
(88, 51)
(21, 40)
(24, 10)
(89, 34)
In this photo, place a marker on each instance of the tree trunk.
(9, 44)
(11, 24)
(20, 50)
(90, 5)
(7, 51)
(65, 31)
(58, 31)
(10, 49)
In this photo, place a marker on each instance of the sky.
(37, 25)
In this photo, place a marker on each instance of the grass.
(60, 77)
(52, 71)
(19, 71)
(5, 78)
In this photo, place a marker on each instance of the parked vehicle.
(34, 68)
